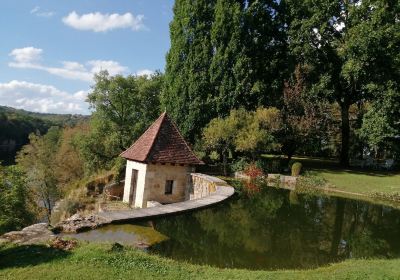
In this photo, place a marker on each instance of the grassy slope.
(99, 262)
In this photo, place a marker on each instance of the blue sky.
(50, 49)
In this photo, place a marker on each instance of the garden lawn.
(361, 182)
(352, 180)
(90, 261)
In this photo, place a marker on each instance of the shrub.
(296, 168)
(240, 164)
(256, 175)
(262, 164)
(214, 156)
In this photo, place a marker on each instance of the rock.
(34, 234)
(75, 217)
(78, 223)
(61, 244)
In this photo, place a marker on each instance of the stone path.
(221, 194)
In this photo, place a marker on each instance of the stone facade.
(150, 182)
(158, 174)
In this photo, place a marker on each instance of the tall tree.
(37, 159)
(123, 108)
(304, 119)
(228, 52)
(187, 94)
(265, 48)
(352, 47)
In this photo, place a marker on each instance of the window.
(168, 186)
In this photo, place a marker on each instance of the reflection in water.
(274, 229)
(133, 235)
(279, 229)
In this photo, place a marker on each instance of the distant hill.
(17, 124)
(55, 119)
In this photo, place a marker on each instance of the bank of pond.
(271, 229)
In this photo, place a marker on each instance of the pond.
(274, 229)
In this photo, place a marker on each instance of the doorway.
(132, 191)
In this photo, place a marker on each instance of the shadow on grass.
(28, 255)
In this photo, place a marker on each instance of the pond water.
(274, 229)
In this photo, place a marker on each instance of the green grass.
(362, 182)
(90, 261)
(352, 180)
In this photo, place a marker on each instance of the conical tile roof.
(161, 143)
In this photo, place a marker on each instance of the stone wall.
(203, 185)
(158, 174)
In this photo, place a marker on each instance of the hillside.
(17, 124)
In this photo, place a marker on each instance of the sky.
(50, 49)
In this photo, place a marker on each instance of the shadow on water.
(27, 255)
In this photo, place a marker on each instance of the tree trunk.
(345, 129)
(225, 162)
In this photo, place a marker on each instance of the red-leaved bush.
(255, 174)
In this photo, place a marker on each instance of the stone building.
(158, 165)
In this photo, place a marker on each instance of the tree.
(225, 54)
(226, 39)
(188, 94)
(259, 132)
(265, 56)
(123, 108)
(304, 119)
(352, 48)
(247, 132)
(68, 159)
(15, 200)
(381, 124)
(38, 160)
(220, 134)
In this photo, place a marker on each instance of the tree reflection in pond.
(278, 229)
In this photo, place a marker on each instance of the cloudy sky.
(50, 49)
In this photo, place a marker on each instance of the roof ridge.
(162, 117)
(184, 141)
(143, 135)
(162, 142)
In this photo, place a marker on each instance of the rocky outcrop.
(78, 223)
(34, 234)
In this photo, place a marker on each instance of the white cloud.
(73, 65)
(42, 98)
(28, 58)
(26, 55)
(144, 72)
(37, 11)
(99, 22)
(111, 66)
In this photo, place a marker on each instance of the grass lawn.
(351, 180)
(90, 261)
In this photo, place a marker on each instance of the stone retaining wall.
(203, 185)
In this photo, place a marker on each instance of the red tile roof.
(161, 143)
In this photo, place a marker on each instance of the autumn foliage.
(255, 174)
